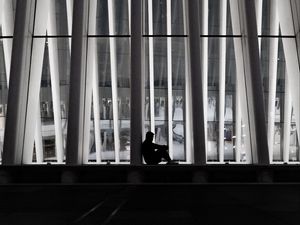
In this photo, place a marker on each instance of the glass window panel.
(217, 67)
(106, 60)
(159, 17)
(120, 15)
(60, 57)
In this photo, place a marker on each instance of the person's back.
(153, 153)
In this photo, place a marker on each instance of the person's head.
(149, 136)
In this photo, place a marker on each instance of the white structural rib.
(33, 98)
(241, 105)
(38, 137)
(287, 119)
(169, 69)
(273, 55)
(129, 16)
(55, 86)
(222, 76)
(188, 95)
(291, 56)
(38, 48)
(113, 65)
(151, 65)
(204, 59)
(258, 10)
(7, 26)
(95, 80)
(69, 5)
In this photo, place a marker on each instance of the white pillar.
(222, 76)
(169, 71)
(258, 11)
(38, 140)
(151, 65)
(287, 119)
(273, 55)
(55, 84)
(204, 61)
(188, 95)
(95, 81)
(114, 78)
(291, 56)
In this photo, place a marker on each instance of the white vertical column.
(273, 54)
(222, 76)
(129, 16)
(258, 10)
(55, 86)
(291, 56)
(204, 59)
(241, 105)
(151, 65)
(95, 81)
(38, 48)
(69, 4)
(287, 119)
(7, 30)
(188, 95)
(39, 152)
(113, 64)
(169, 69)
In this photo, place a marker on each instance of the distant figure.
(154, 153)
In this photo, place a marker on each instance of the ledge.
(57, 174)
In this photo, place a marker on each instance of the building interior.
(82, 81)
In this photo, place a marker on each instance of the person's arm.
(162, 147)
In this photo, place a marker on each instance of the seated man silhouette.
(154, 153)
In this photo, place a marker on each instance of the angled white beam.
(188, 114)
(254, 84)
(95, 81)
(33, 98)
(36, 66)
(69, 4)
(55, 84)
(151, 65)
(241, 105)
(114, 78)
(7, 15)
(291, 56)
(204, 63)
(38, 140)
(258, 11)
(169, 72)
(18, 91)
(287, 119)
(273, 55)
(222, 76)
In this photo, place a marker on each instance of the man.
(154, 153)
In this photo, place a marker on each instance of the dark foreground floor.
(149, 203)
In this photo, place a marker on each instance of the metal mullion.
(273, 55)
(113, 64)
